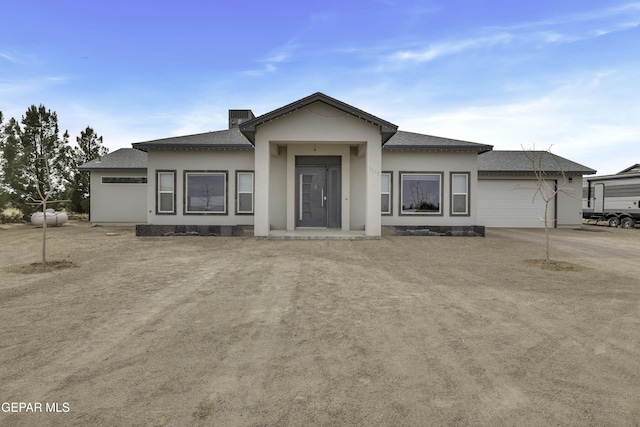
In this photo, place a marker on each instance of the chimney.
(236, 117)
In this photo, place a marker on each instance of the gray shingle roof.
(410, 140)
(519, 162)
(124, 158)
(228, 138)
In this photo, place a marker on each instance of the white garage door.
(509, 203)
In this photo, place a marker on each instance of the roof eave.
(528, 173)
(616, 176)
(479, 150)
(145, 146)
(111, 168)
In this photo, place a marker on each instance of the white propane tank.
(54, 219)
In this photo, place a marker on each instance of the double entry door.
(318, 189)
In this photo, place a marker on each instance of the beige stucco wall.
(358, 190)
(417, 161)
(317, 129)
(277, 184)
(200, 160)
(118, 203)
(570, 203)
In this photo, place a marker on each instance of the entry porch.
(317, 169)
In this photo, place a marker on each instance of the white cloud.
(623, 12)
(20, 87)
(278, 56)
(588, 120)
(452, 47)
(558, 30)
(199, 119)
(5, 55)
(18, 57)
(266, 69)
(17, 95)
(622, 26)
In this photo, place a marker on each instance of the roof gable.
(387, 129)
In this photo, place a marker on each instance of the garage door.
(509, 203)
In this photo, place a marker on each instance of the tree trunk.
(44, 236)
(546, 232)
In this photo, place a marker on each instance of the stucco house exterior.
(315, 164)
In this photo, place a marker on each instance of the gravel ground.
(400, 331)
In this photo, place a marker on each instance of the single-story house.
(319, 164)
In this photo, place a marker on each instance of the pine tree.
(13, 179)
(23, 151)
(4, 196)
(89, 147)
(40, 140)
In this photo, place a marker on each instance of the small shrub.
(85, 205)
(10, 217)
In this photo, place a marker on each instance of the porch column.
(372, 224)
(291, 188)
(262, 165)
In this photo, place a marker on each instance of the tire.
(614, 221)
(627, 223)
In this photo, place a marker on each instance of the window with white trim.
(166, 182)
(244, 190)
(385, 193)
(205, 192)
(420, 193)
(459, 194)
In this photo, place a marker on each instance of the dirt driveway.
(401, 331)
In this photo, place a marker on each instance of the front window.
(205, 192)
(244, 199)
(166, 192)
(421, 193)
(459, 194)
(385, 192)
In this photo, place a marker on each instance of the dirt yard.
(237, 331)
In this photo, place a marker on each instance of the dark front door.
(318, 196)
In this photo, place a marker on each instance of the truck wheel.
(627, 222)
(614, 221)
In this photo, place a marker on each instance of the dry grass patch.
(36, 267)
(554, 265)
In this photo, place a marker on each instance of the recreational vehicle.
(613, 198)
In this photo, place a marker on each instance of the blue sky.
(563, 74)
